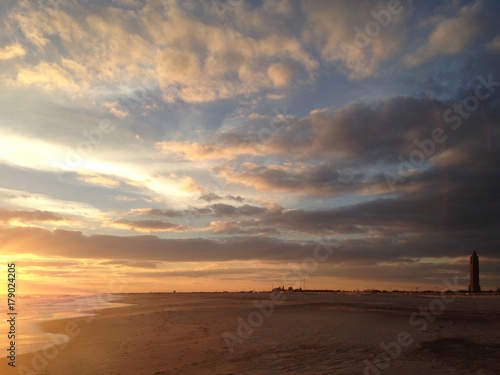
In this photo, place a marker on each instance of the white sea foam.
(34, 309)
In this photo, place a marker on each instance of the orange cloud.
(281, 73)
(9, 52)
(91, 178)
(49, 76)
(198, 151)
(192, 58)
(147, 226)
(23, 216)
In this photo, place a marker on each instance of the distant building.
(474, 274)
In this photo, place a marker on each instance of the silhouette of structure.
(474, 274)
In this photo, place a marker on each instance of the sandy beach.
(260, 333)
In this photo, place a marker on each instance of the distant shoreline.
(326, 291)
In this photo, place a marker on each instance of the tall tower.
(474, 274)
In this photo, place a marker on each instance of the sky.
(241, 145)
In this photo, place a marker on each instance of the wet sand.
(244, 333)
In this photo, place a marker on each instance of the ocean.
(34, 309)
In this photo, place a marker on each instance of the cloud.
(375, 132)
(25, 201)
(226, 210)
(49, 76)
(198, 152)
(218, 210)
(125, 198)
(129, 263)
(348, 150)
(96, 45)
(494, 45)
(30, 216)
(365, 251)
(281, 73)
(114, 110)
(147, 225)
(188, 184)
(73, 244)
(44, 264)
(239, 228)
(128, 3)
(199, 59)
(12, 51)
(195, 59)
(94, 179)
(157, 212)
(370, 132)
(451, 36)
(211, 272)
(445, 203)
(313, 180)
(334, 28)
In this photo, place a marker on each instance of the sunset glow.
(181, 145)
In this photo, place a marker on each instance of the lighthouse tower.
(474, 274)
